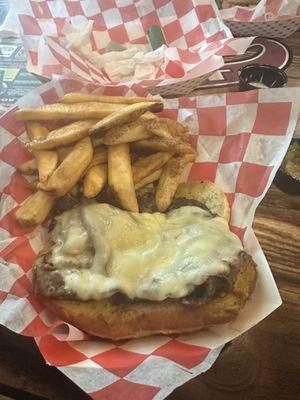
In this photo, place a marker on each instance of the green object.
(156, 37)
(10, 74)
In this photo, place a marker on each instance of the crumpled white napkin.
(121, 63)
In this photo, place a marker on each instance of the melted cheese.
(72, 246)
(147, 256)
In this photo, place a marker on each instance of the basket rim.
(295, 17)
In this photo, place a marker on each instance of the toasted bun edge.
(109, 321)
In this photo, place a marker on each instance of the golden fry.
(147, 116)
(59, 111)
(149, 179)
(177, 130)
(97, 141)
(63, 152)
(70, 170)
(94, 180)
(158, 127)
(46, 160)
(161, 144)
(126, 114)
(120, 176)
(146, 166)
(88, 163)
(77, 97)
(126, 133)
(168, 183)
(99, 156)
(35, 130)
(62, 136)
(28, 167)
(189, 157)
(47, 163)
(35, 209)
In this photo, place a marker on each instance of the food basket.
(180, 88)
(280, 28)
(241, 139)
(197, 40)
(269, 18)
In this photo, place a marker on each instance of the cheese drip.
(147, 256)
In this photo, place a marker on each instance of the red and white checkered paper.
(265, 10)
(241, 139)
(195, 34)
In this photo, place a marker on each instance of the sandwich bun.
(115, 320)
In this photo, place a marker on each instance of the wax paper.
(241, 139)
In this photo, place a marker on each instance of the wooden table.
(262, 364)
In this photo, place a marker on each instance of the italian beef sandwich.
(118, 274)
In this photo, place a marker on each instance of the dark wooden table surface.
(262, 364)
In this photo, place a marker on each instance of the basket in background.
(279, 28)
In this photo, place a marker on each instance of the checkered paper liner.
(193, 29)
(271, 18)
(241, 139)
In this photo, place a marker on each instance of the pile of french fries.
(106, 141)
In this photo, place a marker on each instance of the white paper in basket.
(267, 150)
(195, 33)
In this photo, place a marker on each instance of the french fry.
(44, 164)
(35, 130)
(177, 130)
(149, 179)
(189, 157)
(62, 136)
(58, 111)
(97, 141)
(35, 209)
(70, 170)
(146, 166)
(99, 156)
(161, 144)
(168, 183)
(77, 97)
(182, 148)
(29, 167)
(63, 152)
(136, 130)
(126, 114)
(46, 160)
(147, 116)
(94, 180)
(158, 127)
(126, 133)
(120, 177)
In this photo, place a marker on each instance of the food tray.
(280, 28)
